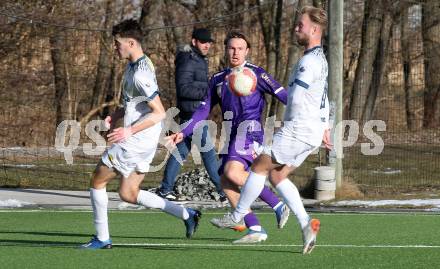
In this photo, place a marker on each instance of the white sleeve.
(303, 78)
(305, 72)
(146, 84)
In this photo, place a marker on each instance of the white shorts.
(288, 150)
(134, 154)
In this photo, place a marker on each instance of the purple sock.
(269, 197)
(251, 220)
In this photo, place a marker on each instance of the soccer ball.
(242, 81)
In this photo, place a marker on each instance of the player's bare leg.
(101, 176)
(129, 187)
(231, 190)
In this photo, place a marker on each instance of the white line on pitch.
(143, 211)
(273, 245)
(243, 245)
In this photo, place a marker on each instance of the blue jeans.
(209, 158)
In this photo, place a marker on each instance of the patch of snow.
(20, 165)
(12, 203)
(388, 171)
(374, 203)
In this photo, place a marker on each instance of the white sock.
(151, 200)
(99, 201)
(291, 195)
(249, 193)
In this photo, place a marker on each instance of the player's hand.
(326, 140)
(108, 122)
(119, 135)
(174, 139)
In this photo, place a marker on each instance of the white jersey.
(137, 151)
(139, 87)
(307, 110)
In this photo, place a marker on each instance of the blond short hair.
(316, 15)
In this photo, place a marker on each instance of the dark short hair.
(128, 29)
(236, 34)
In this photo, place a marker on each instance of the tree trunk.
(151, 17)
(172, 17)
(431, 49)
(364, 71)
(105, 58)
(270, 21)
(410, 55)
(58, 56)
(380, 65)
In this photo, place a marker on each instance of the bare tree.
(371, 30)
(269, 16)
(104, 67)
(378, 80)
(174, 14)
(150, 18)
(410, 41)
(431, 49)
(63, 95)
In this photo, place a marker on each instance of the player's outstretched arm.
(273, 87)
(157, 114)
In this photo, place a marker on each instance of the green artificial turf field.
(151, 239)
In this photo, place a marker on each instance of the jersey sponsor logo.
(266, 78)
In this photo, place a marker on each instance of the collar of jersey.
(242, 65)
(311, 49)
(137, 61)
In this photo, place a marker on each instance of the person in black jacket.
(191, 89)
